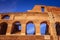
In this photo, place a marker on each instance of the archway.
(6, 17)
(16, 27)
(3, 27)
(30, 28)
(57, 28)
(44, 28)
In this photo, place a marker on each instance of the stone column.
(0, 17)
(11, 17)
(37, 28)
(23, 29)
(9, 29)
(53, 31)
(52, 26)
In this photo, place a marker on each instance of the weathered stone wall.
(24, 38)
(51, 15)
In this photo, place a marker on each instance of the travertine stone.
(51, 15)
(37, 27)
(52, 26)
(23, 30)
(9, 29)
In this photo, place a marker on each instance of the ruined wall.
(49, 15)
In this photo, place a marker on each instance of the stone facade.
(50, 15)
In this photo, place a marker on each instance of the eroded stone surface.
(22, 38)
(50, 16)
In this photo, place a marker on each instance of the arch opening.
(16, 28)
(5, 17)
(57, 28)
(44, 28)
(30, 28)
(3, 28)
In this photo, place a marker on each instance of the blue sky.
(30, 28)
(23, 6)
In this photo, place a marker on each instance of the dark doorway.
(58, 28)
(3, 29)
(16, 27)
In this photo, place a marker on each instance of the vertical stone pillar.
(0, 17)
(9, 29)
(53, 31)
(11, 17)
(37, 28)
(23, 29)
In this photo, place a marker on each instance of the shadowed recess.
(16, 27)
(5, 17)
(3, 28)
(42, 9)
(57, 28)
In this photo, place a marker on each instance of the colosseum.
(38, 15)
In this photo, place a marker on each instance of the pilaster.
(52, 28)
(9, 29)
(37, 28)
(23, 29)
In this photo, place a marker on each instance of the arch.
(5, 17)
(57, 24)
(3, 27)
(30, 28)
(16, 27)
(44, 28)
